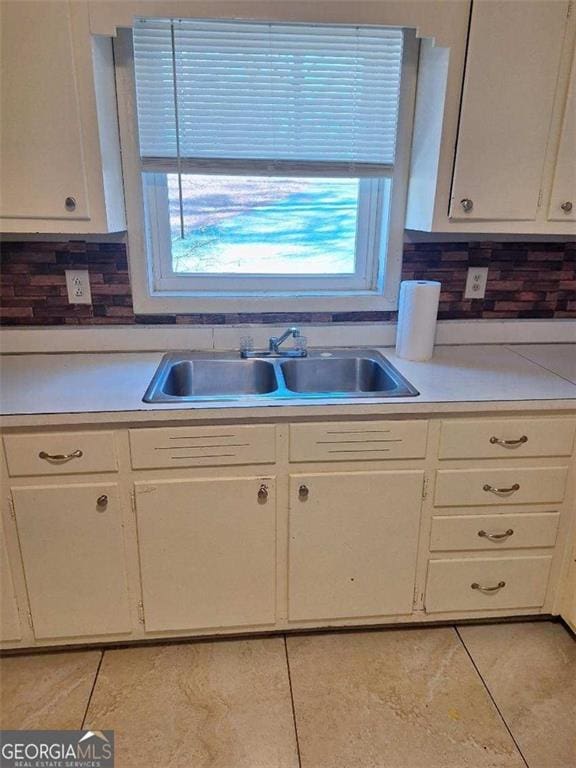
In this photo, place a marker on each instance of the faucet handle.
(301, 344)
(246, 344)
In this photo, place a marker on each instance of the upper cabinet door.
(41, 141)
(61, 169)
(563, 197)
(510, 82)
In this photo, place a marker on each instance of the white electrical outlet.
(78, 285)
(476, 282)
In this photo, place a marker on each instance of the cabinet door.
(564, 185)
(511, 72)
(41, 142)
(73, 552)
(207, 552)
(353, 543)
(9, 619)
(569, 590)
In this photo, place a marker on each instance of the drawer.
(358, 441)
(506, 438)
(460, 532)
(66, 453)
(450, 583)
(202, 446)
(484, 487)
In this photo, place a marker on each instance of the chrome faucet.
(274, 350)
(275, 341)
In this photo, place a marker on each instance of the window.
(269, 161)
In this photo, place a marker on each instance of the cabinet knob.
(303, 492)
(466, 204)
(263, 494)
(102, 501)
(567, 206)
(70, 204)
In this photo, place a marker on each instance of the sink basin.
(196, 379)
(338, 374)
(324, 374)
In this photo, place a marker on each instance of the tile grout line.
(489, 692)
(292, 702)
(102, 652)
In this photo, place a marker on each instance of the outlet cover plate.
(78, 286)
(476, 283)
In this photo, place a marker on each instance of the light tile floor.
(489, 696)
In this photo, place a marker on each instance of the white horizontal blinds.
(155, 88)
(267, 98)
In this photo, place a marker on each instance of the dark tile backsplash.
(525, 280)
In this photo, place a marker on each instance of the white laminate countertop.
(108, 387)
(558, 358)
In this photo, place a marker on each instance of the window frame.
(155, 291)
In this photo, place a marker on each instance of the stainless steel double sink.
(323, 374)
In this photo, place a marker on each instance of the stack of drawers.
(495, 521)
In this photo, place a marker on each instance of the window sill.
(159, 304)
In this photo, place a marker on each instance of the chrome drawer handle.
(60, 456)
(496, 536)
(509, 443)
(482, 588)
(492, 489)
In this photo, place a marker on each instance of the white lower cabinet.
(491, 532)
(496, 487)
(207, 552)
(71, 539)
(9, 618)
(353, 540)
(262, 527)
(568, 588)
(483, 584)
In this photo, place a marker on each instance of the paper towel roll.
(417, 313)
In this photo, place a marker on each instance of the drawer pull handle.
(60, 456)
(496, 536)
(102, 501)
(492, 489)
(303, 492)
(509, 443)
(263, 494)
(482, 588)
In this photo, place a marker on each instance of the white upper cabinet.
(58, 133)
(511, 72)
(563, 197)
(515, 97)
